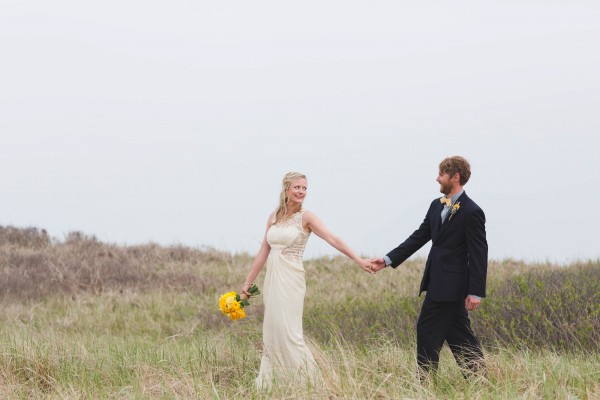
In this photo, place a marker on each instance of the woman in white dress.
(285, 353)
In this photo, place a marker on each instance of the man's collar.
(457, 195)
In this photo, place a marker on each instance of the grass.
(129, 345)
(77, 322)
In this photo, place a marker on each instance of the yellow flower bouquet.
(232, 305)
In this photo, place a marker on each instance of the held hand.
(472, 303)
(378, 264)
(366, 265)
(244, 294)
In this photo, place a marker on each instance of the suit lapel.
(437, 220)
(462, 199)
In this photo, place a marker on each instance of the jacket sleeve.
(414, 242)
(477, 248)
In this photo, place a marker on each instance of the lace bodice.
(289, 237)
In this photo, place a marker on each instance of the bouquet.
(232, 305)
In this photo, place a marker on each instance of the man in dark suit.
(455, 272)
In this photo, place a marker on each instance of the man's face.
(446, 183)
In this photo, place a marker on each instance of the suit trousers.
(446, 321)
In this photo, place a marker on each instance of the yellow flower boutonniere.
(454, 209)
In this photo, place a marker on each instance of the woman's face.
(296, 192)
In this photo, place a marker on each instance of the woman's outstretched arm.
(311, 222)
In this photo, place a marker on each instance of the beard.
(446, 187)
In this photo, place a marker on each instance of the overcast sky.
(174, 121)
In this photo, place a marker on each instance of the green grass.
(131, 345)
(151, 346)
(81, 319)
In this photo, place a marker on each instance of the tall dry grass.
(35, 266)
(85, 319)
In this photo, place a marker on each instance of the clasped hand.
(372, 265)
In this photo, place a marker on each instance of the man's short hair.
(456, 164)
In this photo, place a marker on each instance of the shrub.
(545, 307)
(33, 267)
(535, 306)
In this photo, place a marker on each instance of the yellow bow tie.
(446, 201)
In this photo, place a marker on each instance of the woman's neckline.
(294, 213)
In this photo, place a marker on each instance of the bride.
(285, 353)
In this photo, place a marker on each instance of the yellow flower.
(222, 305)
(231, 305)
(223, 301)
(454, 210)
(237, 314)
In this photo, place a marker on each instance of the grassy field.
(84, 319)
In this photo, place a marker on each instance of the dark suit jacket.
(457, 263)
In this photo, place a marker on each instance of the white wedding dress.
(285, 353)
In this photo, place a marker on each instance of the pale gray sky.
(175, 121)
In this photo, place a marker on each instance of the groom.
(455, 272)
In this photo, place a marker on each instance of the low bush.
(545, 307)
(533, 306)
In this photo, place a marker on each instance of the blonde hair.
(283, 200)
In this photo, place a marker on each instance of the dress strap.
(298, 216)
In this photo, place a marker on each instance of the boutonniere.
(454, 209)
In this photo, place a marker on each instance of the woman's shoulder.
(309, 217)
(306, 214)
